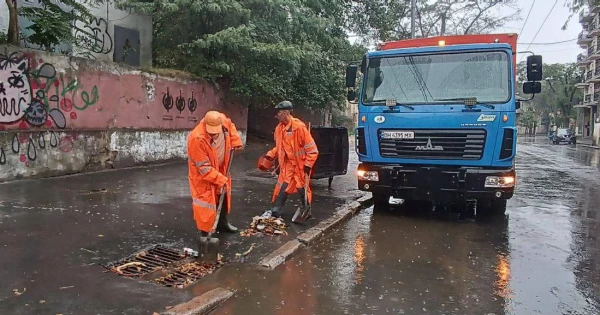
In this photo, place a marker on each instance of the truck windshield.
(438, 78)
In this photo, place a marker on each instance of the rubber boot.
(277, 209)
(224, 225)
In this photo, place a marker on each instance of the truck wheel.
(381, 200)
(492, 208)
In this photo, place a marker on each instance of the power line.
(527, 18)
(540, 28)
(550, 43)
(555, 50)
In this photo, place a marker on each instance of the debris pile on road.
(187, 274)
(268, 226)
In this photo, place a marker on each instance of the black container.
(334, 151)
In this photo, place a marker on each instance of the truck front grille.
(451, 144)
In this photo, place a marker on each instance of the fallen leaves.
(246, 252)
(187, 274)
(268, 226)
(17, 293)
(95, 191)
(136, 264)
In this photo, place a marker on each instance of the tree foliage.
(383, 20)
(263, 51)
(52, 22)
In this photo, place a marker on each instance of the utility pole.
(413, 6)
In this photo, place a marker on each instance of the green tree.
(382, 20)
(262, 50)
(53, 22)
(528, 120)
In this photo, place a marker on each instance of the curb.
(202, 304)
(280, 255)
(283, 253)
(210, 300)
(590, 146)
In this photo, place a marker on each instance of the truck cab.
(437, 119)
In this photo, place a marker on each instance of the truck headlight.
(499, 181)
(371, 176)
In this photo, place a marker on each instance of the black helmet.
(285, 105)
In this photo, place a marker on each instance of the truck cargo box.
(334, 151)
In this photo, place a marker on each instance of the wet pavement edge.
(210, 301)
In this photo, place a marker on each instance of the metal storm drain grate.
(186, 274)
(146, 261)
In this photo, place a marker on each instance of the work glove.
(307, 170)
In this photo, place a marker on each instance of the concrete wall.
(107, 17)
(62, 114)
(99, 34)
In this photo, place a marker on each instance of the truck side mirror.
(351, 76)
(363, 64)
(534, 68)
(351, 96)
(532, 87)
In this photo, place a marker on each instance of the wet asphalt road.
(56, 233)
(541, 258)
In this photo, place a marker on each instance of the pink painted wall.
(39, 91)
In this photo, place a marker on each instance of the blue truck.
(437, 120)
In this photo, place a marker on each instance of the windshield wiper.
(403, 105)
(392, 107)
(469, 101)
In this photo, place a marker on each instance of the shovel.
(208, 247)
(302, 214)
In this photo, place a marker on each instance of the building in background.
(113, 35)
(589, 61)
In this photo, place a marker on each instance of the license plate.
(397, 135)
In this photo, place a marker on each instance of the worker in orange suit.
(209, 150)
(296, 151)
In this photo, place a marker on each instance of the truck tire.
(492, 208)
(381, 200)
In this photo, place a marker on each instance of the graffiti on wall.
(27, 145)
(33, 94)
(180, 102)
(15, 91)
(95, 36)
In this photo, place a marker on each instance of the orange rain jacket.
(205, 176)
(293, 140)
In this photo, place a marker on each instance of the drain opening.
(146, 261)
(186, 274)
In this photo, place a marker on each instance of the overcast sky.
(550, 31)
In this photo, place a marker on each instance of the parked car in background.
(564, 135)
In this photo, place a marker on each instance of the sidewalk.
(586, 142)
(55, 233)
